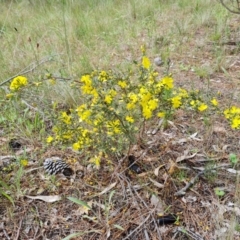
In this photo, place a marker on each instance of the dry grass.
(85, 35)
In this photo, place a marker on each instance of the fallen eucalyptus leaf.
(156, 170)
(155, 201)
(173, 167)
(193, 136)
(185, 156)
(108, 188)
(231, 170)
(157, 184)
(49, 199)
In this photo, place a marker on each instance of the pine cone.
(55, 165)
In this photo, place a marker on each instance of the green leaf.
(7, 196)
(4, 185)
(219, 192)
(80, 234)
(111, 195)
(79, 202)
(233, 158)
(118, 227)
(72, 236)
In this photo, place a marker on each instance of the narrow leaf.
(7, 196)
(118, 227)
(72, 236)
(157, 184)
(108, 188)
(82, 203)
(111, 195)
(49, 199)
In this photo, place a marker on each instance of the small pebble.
(158, 61)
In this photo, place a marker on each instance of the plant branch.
(182, 191)
(229, 9)
(32, 66)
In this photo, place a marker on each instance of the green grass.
(92, 34)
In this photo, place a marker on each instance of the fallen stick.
(182, 191)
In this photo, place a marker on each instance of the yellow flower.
(234, 110)
(144, 95)
(227, 113)
(202, 107)
(76, 146)
(193, 103)
(112, 93)
(146, 62)
(161, 114)
(66, 118)
(235, 123)
(18, 82)
(49, 139)
(147, 113)
(130, 119)
(52, 81)
(103, 76)
(87, 89)
(183, 93)
(108, 99)
(114, 126)
(86, 79)
(9, 95)
(67, 136)
(130, 106)
(168, 82)
(133, 97)
(153, 104)
(24, 162)
(122, 84)
(72, 161)
(176, 102)
(214, 102)
(96, 160)
(37, 83)
(85, 115)
(143, 49)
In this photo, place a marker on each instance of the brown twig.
(229, 9)
(31, 107)
(19, 228)
(190, 233)
(4, 231)
(145, 204)
(182, 191)
(131, 233)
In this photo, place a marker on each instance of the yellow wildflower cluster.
(96, 160)
(146, 62)
(233, 115)
(65, 118)
(18, 82)
(200, 106)
(179, 97)
(114, 108)
(24, 162)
